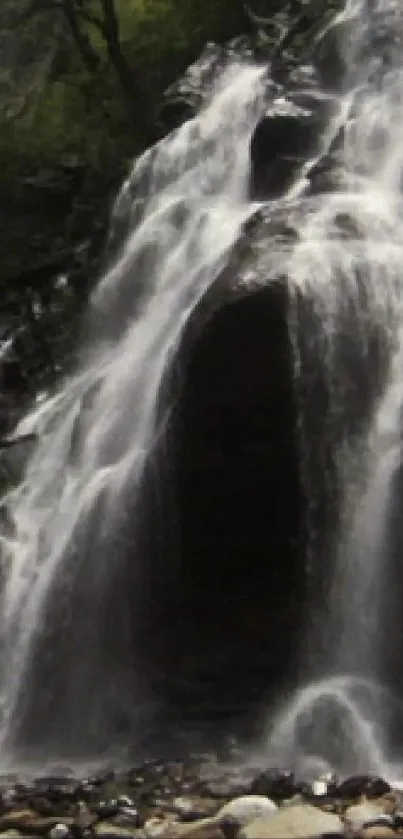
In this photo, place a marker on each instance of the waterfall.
(348, 263)
(74, 579)
(67, 616)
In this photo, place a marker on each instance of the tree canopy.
(81, 85)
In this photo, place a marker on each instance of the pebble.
(59, 831)
(186, 800)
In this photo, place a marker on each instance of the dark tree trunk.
(88, 54)
(134, 97)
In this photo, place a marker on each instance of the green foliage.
(80, 86)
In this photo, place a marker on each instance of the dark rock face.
(283, 142)
(277, 785)
(277, 149)
(230, 632)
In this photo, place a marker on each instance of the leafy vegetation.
(81, 86)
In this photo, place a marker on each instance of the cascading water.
(69, 667)
(67, 643)
(341, 719)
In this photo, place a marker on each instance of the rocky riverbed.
(198, 798)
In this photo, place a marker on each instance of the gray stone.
(190, 808)
(298, 822)
(162, 828)
(358, 815)
(59, 831)
(125, 801)
(107, 830)
(241, 811)
(127, 816)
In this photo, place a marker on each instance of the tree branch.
(94, 21)
(43, 6)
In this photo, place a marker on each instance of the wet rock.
(37, 825)
(57, 789)
(106, 809)
(84, 818)
(385, 820)
(275, 784)
(105, 778)
(192, 808)
(221, 789)
(377, 831)
(243, 810)
(125, 801)
(329, 55)
(203, 832)
(59, 831)
(295, 799)
(398, 817)
(161, 827)
(388, 802)
(88, 791)
(9, 798)
(16, 819)
(42, 806)
(376, 787)
(362, 785)
(285, 139)
(272, 170)
(127, 817)
(200, 830)
(366, 813)
(301, 822)
(108, 830)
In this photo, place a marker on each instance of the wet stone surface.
(197, 798)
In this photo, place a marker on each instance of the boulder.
(299, 822)
(362, 785)
(360, 815)
(190, 808)
(275, 784)
(247, 808)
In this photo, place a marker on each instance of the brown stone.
(204, 829)
(377, 831)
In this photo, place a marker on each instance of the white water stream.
(69, 515)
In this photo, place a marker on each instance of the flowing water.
(74, 523)
(343, 718)
(71, 513)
